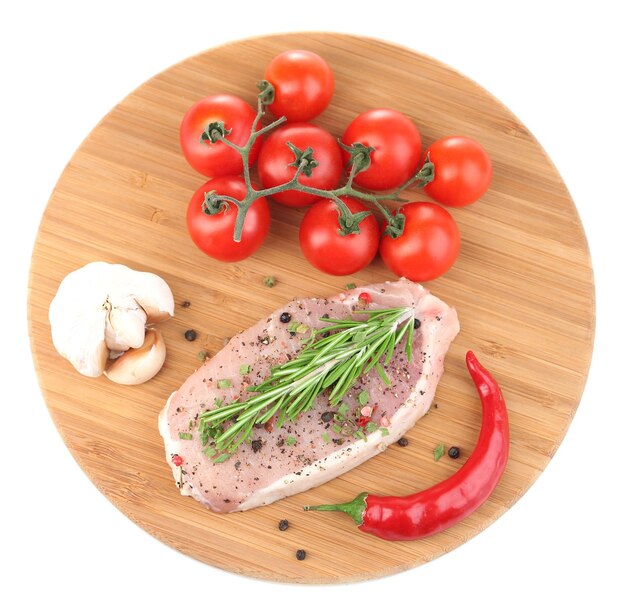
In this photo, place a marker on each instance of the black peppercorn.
(300, 554)
(256, 445)
(285, 317)
(191, 335)
(328, 416)
(186, 304)
(283, 525)
(416, 323)
(454, 452)
(403, 442)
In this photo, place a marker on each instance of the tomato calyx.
(395, 225)
(349, 222)
(213, 204)
(214, 132)
(267, 92)
(426, 174)
(360, 157)
(303, 159)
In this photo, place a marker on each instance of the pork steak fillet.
(317, 447)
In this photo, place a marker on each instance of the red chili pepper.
(177, 460)
(448, 502)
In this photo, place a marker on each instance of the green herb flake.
(363, 397)
(439, 451)
(384, 431)
(350, 286)
(244, 369)
(336, 429)
(224, 384)
(326, 438)
(302, 328)
(371, 426)
(202, 355)
(185, 436)
(221, 458)
(290, 440)
(209, 451)
(360, 434)
(218, 402)
(342, 410)
(269, 281)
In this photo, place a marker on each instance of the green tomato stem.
(348, 222)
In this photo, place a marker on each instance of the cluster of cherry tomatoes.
(303, 86)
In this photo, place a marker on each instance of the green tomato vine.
(305, 164)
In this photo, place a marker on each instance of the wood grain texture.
(523, 288)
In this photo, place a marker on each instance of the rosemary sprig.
(344, 350)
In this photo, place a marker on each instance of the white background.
(556, 65)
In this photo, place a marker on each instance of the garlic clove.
(154, 296)
(125, 326)
(139, 365)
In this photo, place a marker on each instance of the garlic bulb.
(101, 310)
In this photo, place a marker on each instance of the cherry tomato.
(276, 160)
(303, 84)
(397, 148)
(218, 159)
(213, 234)
(462, 171)
(329, 251)
(428, 246)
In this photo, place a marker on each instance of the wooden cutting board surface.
(523, 288)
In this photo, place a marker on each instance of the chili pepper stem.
(354, 508)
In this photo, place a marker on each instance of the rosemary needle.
(334, 361)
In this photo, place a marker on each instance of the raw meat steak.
(317, 447)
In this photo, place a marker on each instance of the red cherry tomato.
(276, 160)
(217, 159)
(303, 84)
(213, 234)
(428, 246)
(397, 148)
(462, 171)
(329, 251)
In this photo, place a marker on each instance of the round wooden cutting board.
(522, 286)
